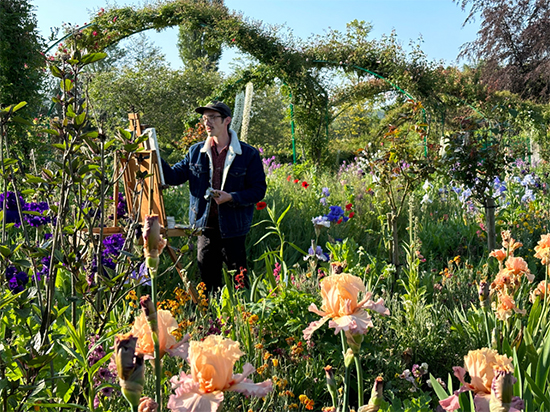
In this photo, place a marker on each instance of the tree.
(196, 43)
(512, 45)
(21, 63)
(165, 98)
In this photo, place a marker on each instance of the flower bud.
(484, 294)
(153, 243)
(150, 312)
(131, 372)
(376, 397)
(502, 391)
(331, 383)
(147, 405)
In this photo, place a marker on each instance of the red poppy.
(261, 205)
(349, 206)
(288, 178)
(339, 221)
(351, 214)
(305, 184)
(296, 180)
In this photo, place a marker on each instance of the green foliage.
(21, 67)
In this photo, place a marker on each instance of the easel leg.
(190, 289)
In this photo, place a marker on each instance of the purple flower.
(10, 201)
(317, 253)
(112, 246)
(121, 208)
(17, 279)
(325, 191)
(35, 220)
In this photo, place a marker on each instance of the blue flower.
(336, 212)
(529, 196)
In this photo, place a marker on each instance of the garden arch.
(298, 69)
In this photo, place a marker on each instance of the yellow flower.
(275, 362)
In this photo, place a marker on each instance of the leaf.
(440, 392)
(543, 365)
(56, 71)
(18, 106)
(66, 85)
(80, 118)
(538, 392)
(50, 131)
(92, 57)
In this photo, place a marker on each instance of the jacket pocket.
(235, 179)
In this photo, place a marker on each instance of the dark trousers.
(213, 251)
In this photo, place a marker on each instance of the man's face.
(214, 124)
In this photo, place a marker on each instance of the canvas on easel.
(143, 185)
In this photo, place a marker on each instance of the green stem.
(158, 370)
(487, 331)
(360, 383)
(347, 375)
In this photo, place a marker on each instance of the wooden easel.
(143, 188)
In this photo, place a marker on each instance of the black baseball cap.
(219, 107)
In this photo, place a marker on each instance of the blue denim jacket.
(243, 177)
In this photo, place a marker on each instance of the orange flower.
(167, 342)
(499, 254)
(542, 290)
(518, 267)
(543, 249)
(509, 243)
(340, 304)
(212, 362)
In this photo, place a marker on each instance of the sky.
(438, 22)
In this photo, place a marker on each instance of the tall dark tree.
(21, 63)
(512, 45)
(195, 43)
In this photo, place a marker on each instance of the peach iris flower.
(212, 362)
(167, 342)
(542, 290)
(481, 365)
(340, 304)
(499, 254)
(543, 249)
(518, 267)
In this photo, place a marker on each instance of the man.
(226, 179)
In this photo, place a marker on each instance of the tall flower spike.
(153, 243)
(130, 368)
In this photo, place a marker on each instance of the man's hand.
(222, 197)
